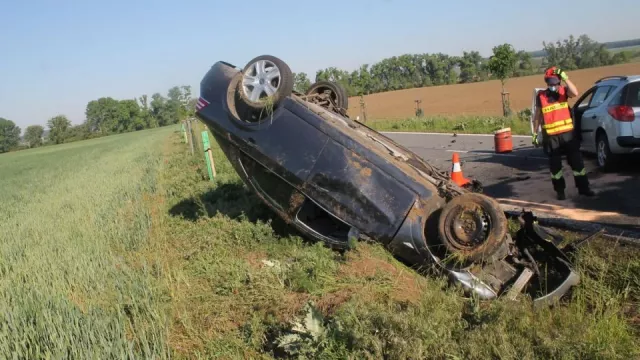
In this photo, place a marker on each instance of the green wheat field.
(122, 248)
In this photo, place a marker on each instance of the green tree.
(525, 64)
(470, 64)
(33, 135)
(58, 126)
(621, 57)
(130, 119)
(563, 54)
(77, 132)
(9, 135)
(104, 115)
(187, 101)
(145, 113)
(361, 80)
(301, 82)
(160, 110)
(453, 76)
(580, 53)
(336, 75)
(176, 106)
(502, 65)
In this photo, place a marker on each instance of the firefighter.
(557, 125)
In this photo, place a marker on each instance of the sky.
(57, 55)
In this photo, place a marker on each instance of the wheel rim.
(602, 155)
(261, 77)
(469, 228)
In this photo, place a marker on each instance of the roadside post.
(184, 133)
(190, 136)
(363, 108)
(208, 155)
(419, 112)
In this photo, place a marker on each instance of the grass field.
(120, 247)
(70, 214)
(476, 99)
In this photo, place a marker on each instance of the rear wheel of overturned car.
(266, 81)
(472, 228)
(335, 91)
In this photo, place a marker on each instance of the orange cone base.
(459, 179)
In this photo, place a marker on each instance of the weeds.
(463, 124)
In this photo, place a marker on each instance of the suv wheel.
(604, 156)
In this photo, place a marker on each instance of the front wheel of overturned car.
(266, 81)
(472, 227)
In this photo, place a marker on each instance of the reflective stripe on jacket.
(555, 112)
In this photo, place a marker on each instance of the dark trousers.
(569, 145)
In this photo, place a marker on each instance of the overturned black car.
(336, 180)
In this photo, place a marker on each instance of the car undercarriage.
(336, 180)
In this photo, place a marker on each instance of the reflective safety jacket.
(555, 112)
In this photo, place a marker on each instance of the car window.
(599, 96)
(633, 94)
(617, 98)
(585, 102)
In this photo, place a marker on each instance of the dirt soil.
(482, 98)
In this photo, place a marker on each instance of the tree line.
(419, 70)
(103, 116)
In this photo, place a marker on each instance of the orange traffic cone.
(456, 173)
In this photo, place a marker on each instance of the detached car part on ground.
(337, 180)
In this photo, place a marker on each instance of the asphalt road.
(522, 178)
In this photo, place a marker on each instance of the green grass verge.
(246, 279)
(460, 124)
(119, 247)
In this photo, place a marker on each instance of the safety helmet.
(550, 77)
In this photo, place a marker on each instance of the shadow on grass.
(235, 201)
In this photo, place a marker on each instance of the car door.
(584, 125)
(592, 118)
(534, 109)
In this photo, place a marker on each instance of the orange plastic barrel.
(503, 141)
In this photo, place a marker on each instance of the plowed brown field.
(482, 98)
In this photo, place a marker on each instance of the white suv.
(607, 116)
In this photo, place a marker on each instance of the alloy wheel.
(262, 77)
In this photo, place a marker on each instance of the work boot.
(582, 183)
(561, 195)
(587, 192)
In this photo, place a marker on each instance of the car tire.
(605, 159)
(338, 92)
(461, 249)
(282, 83)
